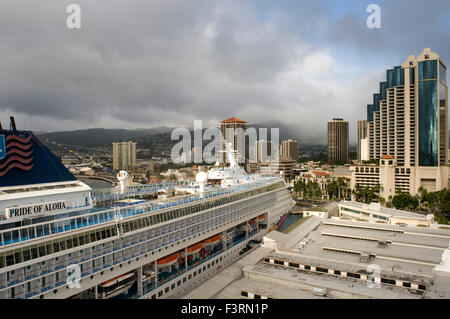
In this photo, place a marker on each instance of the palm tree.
(332, 188)
(341, 184)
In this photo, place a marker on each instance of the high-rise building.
(263, 151)
(363, 141)
(289, 150)
(337, 141)
(230, 134)
(124, 155)
(407, 127)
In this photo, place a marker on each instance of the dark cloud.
(150, 63)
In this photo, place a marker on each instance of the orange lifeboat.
(193, 249)
(261, 217)
(252, 222)
(168, 260)
(212, 240)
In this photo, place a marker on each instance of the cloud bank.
(141, 64)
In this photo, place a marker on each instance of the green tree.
(332, 189)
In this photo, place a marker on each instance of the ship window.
(34, 252)
(79, 222)
(46, 230)
(92, 234)
(56, 246)
(62, 245)
(9, 259)
(104, 234)
(81, 240)
(2, 260)
(18, 258)
(24, 234)
(49, 248)
(75, 241)
(87, 239)
(31, 232)
(39, 231)
(42, 250)
(69, 243)
(26, 254)
(6, 238)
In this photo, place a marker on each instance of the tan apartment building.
(230, 134)
(289, 150)
(124, 155)
(283, 167)
(143, 169)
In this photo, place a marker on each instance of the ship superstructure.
(125, 243)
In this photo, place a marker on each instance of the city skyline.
(254, 70)
(228, 150)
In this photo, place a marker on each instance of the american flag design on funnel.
(17, 154)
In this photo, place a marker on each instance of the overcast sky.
(141, 64)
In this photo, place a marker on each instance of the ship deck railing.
(104, 194)
(58, 226)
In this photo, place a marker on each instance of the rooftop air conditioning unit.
(320, 291)
(382, 243)
(365, 257)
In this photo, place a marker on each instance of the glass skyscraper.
(407, 120)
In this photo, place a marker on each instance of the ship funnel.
(122, 176)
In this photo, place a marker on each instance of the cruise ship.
(61, 239)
